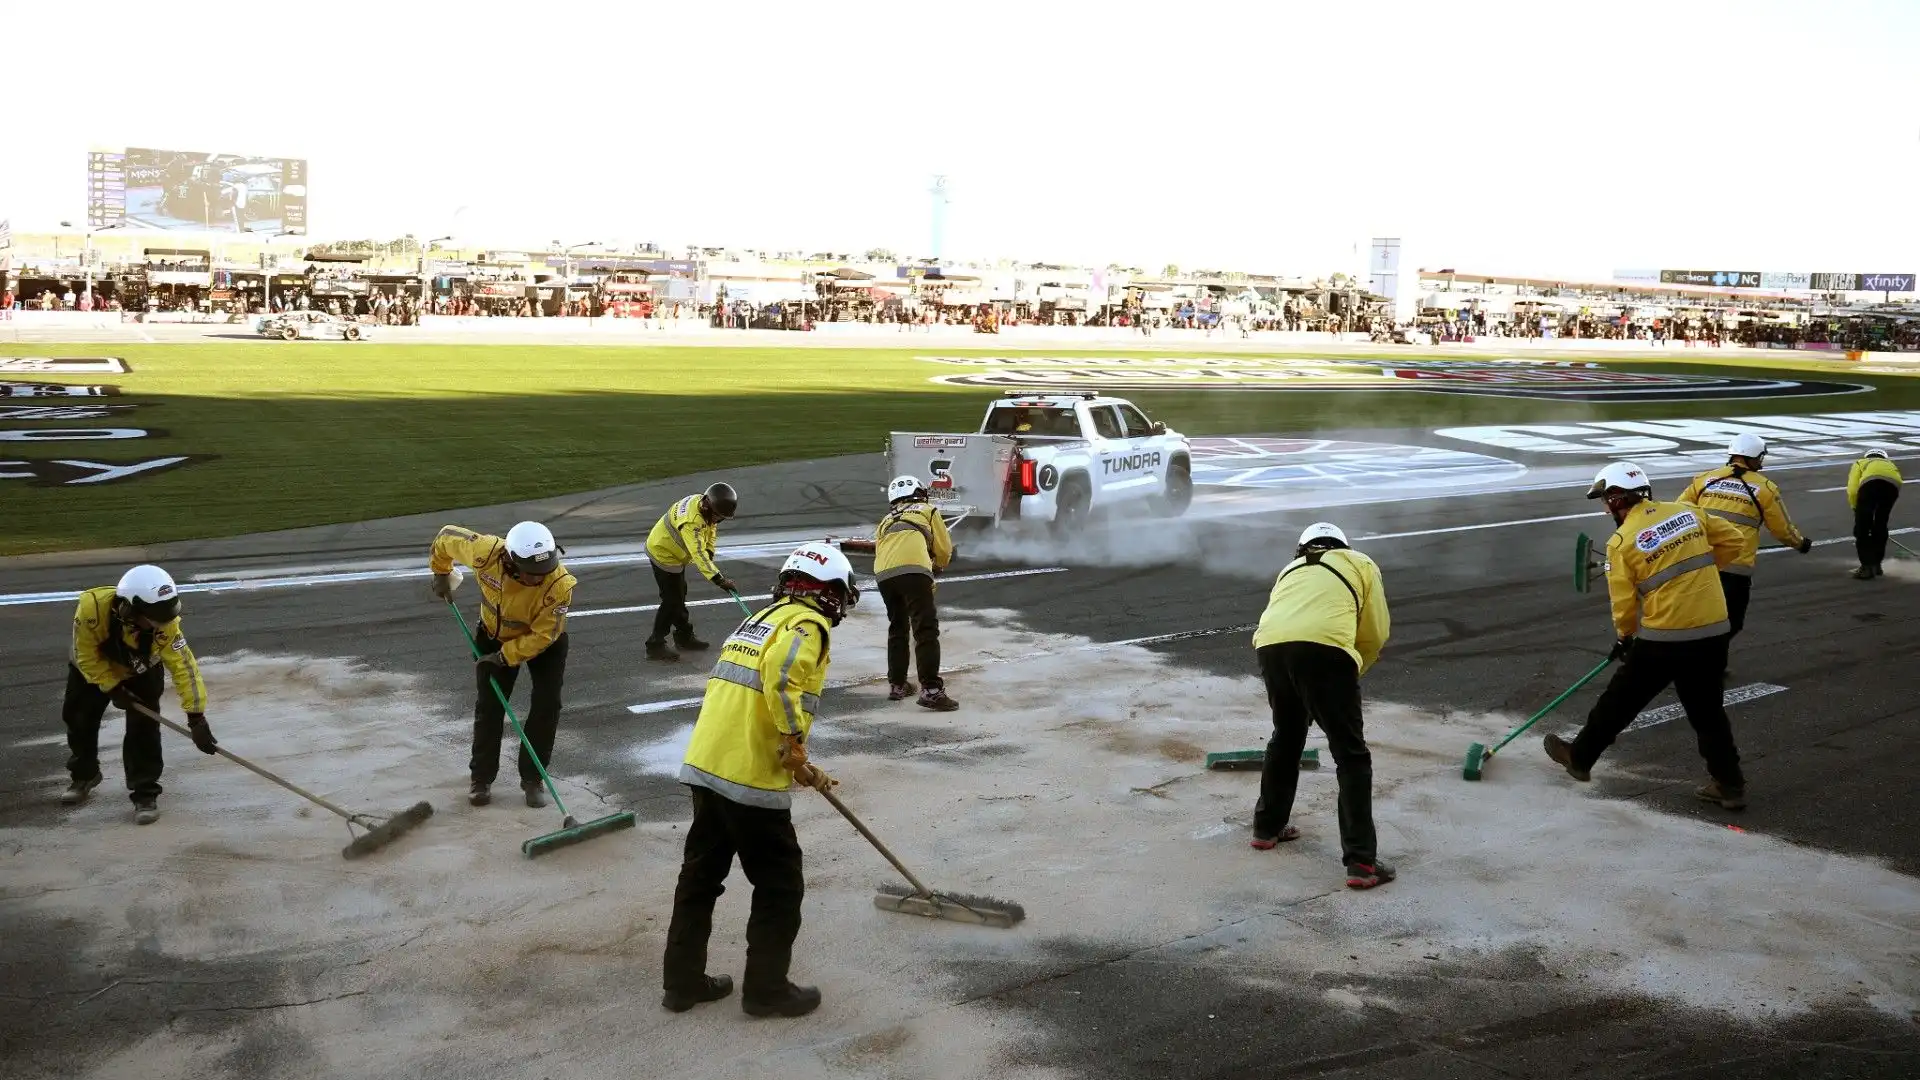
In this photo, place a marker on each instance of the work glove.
(724, 583)
(443, 586)
(1806, 545)
(494, 659)
(1621, 648)
(815, 777)
(122, 697)
(202, 734)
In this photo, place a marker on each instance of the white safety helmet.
(1747, 445)
(905, 487)
(151, 592)
(1879, 453)
(1323, 534)
(819, 573)
(531, 550)
(1621, 476)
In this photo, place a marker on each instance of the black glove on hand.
(122, 697)
(1806, 545)
(724, 583)
(443, 586)
(202, 734)
(1621, 648)
(494, 659)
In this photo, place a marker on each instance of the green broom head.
(393, 829)
(954, 907)
(570, 834)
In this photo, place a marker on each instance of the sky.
(1569, 138)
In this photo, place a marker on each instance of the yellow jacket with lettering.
(524, 619)
(682, 537)
(1873, 468)
(1660, 572)
(1346, 609)
(109, 650)
(766, 684)
(911, 539)
(1747, 499)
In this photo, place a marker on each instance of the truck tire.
(1179, 493)
(1072, 506)
(288, 333)
(352, 333)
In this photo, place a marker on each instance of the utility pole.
(939, 191)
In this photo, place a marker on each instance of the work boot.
(1877, 572)
(146, 809)
(660, 650)
(791, 1001)
(76, 792)
(1561, 751)
(716, 987)
(536, 796)
(899, 691)
(688, 643)
(1728, 796)
(935, 698)
(1863, 572)
(478, 795)
(1368, 875)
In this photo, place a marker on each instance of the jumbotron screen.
(196, 192)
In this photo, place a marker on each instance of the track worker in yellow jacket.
(1738, 493)
(123, 637)
(911, 545)
(1872, 486)
(685, 536)
(1670, 619)
(1325, 624)
(748, 749)
(524, 596)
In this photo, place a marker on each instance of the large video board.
(190, 191)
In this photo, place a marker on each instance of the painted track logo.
(1537, 380)
(1297, 463)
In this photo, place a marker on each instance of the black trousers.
(541, 720)
(1310, 681)
(910, 610)
(85, 706)
(1871, 509)
(672, 616)
(769, 854)
(1693, 668)
(1738, 589)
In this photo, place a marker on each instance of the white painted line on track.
(1843, 487)
(1838, 540)
(647, 707)
(943, 580)
(1667, 713)
(1483, 525)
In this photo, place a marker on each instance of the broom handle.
(245, 764)
(877, 845)
(504, 704)
(1555, 703)
(744, 609)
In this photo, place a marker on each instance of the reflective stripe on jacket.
(683, 537)
(109, 650)
(1346, 608)
(911, 539)
(766, 684)
(524, 619)
(1660, 572)
(1747, 499)
(1873, 468)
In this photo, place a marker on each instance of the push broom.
(571, 831)
(922, 901)
(379, 833)
(1478, 754)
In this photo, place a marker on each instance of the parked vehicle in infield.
(313, 325)
(1052, 459)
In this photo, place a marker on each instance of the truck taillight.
(1029, 477)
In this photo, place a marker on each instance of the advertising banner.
(1886, 282)
(1719, 279)
(1786, 281)
(1835, 282)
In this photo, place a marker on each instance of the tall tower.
(940, 194)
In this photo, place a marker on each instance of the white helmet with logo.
(1621, 476)
(151, 592)
(1879, 453)
(1747, 445)
(905, 487)
(1323, 534)
(819, 573)
(531, 550)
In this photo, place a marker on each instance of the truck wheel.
(1072, 506)
(352, 333)
(1179, 493)
(288, 334)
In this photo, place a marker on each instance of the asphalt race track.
(1485, 621)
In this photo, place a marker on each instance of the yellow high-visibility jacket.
(1660, 577)
(1346, 609)
(1873, 468)
(766, 684)
(1747, 499)
(911, 539)
(682, 537)
(109, 650)
(524, 619)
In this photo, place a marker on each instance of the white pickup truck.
(1050, 459)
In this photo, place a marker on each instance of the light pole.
(87, 258)
(567, 291)
(423, 265)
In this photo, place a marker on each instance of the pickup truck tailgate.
(966, 475)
